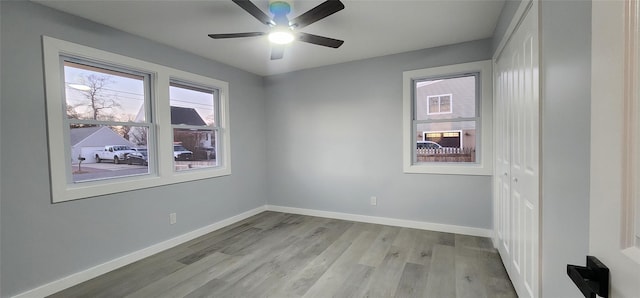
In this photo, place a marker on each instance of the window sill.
(85, 190)
(448, 169)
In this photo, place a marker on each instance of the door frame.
(614, 170)
(631, 132)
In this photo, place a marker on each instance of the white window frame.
(216, 103)
(63, 189)
(484, 146)
(147, 123)
(439, 96)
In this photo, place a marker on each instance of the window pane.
(194, 148)
(445, 104)
(191, 105)
(96, 93)
(447, 98)
(434, 105)
(99, 152)
(446, 142)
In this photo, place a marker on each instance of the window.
(459, 132)
(117, 124)
(437, 104)
(106, 110)
(194, 122)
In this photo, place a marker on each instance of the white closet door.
(517, 160)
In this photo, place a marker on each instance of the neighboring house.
(186, 116)
(189, 116)
(447, 99)
(179, 116)
(85, 141)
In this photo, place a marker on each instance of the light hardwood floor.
(276, 254)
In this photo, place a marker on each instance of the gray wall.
(566, 78)
(335, 139)
(42, 242)
(1, 166)
(566, 90)
(507, 13)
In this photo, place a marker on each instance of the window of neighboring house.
(461, 129)
(116, 123)
(438, 104)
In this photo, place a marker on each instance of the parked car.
(117, 153)
(181, 153)
(428, 145)
(140, 157)
(205, 153)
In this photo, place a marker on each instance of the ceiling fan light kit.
(281, 37)
(283, 30)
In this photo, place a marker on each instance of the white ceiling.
(369, 28)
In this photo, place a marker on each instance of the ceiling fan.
(283, 30)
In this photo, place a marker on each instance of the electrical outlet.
(172, 218)
(374, 201)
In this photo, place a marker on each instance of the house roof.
(78, 134)
(97, 136)
(188, 116)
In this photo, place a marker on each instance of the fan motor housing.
(279, 7)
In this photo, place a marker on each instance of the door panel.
(517, 160)
(529, 275)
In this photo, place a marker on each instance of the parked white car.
(116, 153)
(427, 145)
(181, 153)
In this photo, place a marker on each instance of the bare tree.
(138, 136)
(210, 119)
(124, 131)
(72, 113)
(98, 100)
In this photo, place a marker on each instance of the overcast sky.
(128, 93)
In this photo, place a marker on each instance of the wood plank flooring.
(276, 254)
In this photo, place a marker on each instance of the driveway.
(106, 170)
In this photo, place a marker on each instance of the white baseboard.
(387, 221)
(82, 276)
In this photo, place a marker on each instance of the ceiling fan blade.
(317, 13)
(235, 35)
(320, 40)
(277, 52)
(253, 10)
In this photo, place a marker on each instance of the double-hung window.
(106, 110)
(436, 104)
(195, 125)
(117, 124)
(443, 135)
